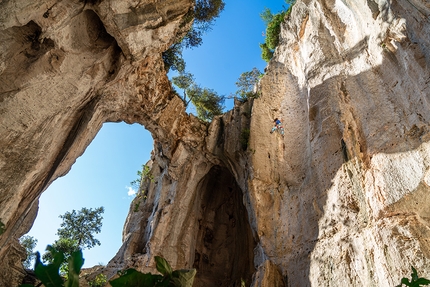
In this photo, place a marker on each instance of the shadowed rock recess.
(341, 200)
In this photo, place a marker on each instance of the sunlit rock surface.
(341, 200)
(66, 67)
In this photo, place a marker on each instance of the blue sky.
(102, 175)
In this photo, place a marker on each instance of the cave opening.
(102, 176)
(224, 244)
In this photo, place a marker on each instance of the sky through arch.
(100, 177)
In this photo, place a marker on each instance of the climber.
(277, 126)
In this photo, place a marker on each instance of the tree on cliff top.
(273, 29)
(246, 84)
(207, 102)
(204, 14)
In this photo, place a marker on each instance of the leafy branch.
(50, 276)
(415, 281)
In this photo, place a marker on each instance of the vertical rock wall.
(341, 199)
(65, 68)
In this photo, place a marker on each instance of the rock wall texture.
(66, 67)
(340, 200)
(349, 181)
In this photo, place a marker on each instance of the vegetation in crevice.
(244, 138)
(273, 29)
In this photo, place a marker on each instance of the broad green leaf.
(414, 274)
(75, 263)
(163, 266)
(134, 278)
(405, 281)
(48, 274)
(422, 281)
(184, 277)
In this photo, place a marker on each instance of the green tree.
(65, 246)
(206, 11)
(204, 14)
(80, 226)
(207, 102)
(173, 58)
(76, 232)
(99, 281)
(266, 16)
(184, 81)
(266, 53)
(29, 243)
(246, 84)
(273, 29)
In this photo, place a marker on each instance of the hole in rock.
(100, 177)
(224, 246)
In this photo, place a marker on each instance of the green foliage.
(136, 207)
(273, 29)
(266, 16)
(244, 138)
(76, 232)
(169, 278)
(29, 243)
(76, 261)
(132, 277)
(162, 266)
(142, 175)
(204, 14)
(415, 281)
(183, 81)
(49, 274)
(266, 53)
(246, 83)
(80, 226)
(2, 228)
(207, 102)
(173, 58)
(290, 2)
(99, 281)
(65, 246)
(207, 10)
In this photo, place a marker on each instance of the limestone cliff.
(341, 200)
(66, 67)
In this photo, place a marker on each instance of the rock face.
(65, 68)
(341, 199)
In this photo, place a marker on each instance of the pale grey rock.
(340, 200)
